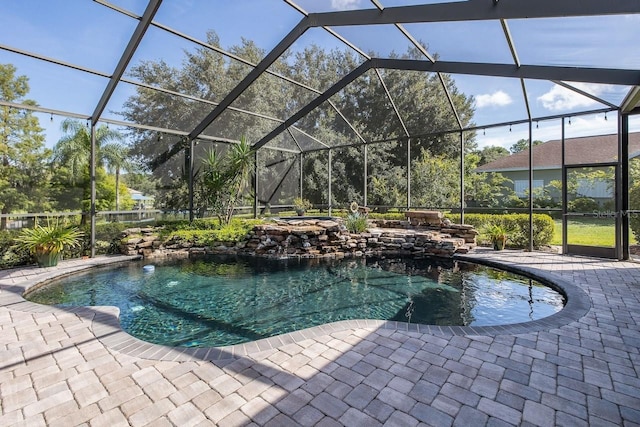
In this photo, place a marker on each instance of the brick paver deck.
(75, 367)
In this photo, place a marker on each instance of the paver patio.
(75, 367)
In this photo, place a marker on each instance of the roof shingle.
(578, 151)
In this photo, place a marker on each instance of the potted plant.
(301, 205)
(498, 236)
(47, 242)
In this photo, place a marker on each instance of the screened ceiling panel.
(166, 111)
(614, 94)
(274, 97)
(55, 31)
(93, 36)
(116, 106)
(168, 67)
(135, 6)
(367, 107)
(324, 124)
(233, 125)
(390, 3)
(305, 141)
(232, 21)
(473, 41)
(50, 84)
(587, 42)
(383, 41)
(283, 141)
(549, 99)
(494, 97)
(311, 48)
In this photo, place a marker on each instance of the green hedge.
(517, 224)
(209, 231)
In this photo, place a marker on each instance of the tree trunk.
(3, 220)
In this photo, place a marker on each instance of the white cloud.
(496, 99)
(344, 4)
(560, 98)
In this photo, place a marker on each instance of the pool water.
(222, 301)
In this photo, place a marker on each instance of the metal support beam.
(583, 93)
(408, 173)
(271, 57)
(393, 104)
(475, 10)
(462, 178)
(329, 178)
(343, 82)
(565, 192)
(537, 72)
(147, 17)
(301, 173)
(366, 172)
(255, 184)
(623, 186)
(530, 186)
(92, 177)
(189, 163)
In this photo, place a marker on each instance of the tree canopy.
(23, 180)
(418, 97)
(523, 144)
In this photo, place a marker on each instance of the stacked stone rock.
(318, 238)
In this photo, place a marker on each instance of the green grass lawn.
(589, 232)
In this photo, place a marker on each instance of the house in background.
(547, 163)
(141, 201)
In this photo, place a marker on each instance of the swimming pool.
(222, 301)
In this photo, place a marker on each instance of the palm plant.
(225, 178)
(73, 150)
(116, 157)
(46, 242)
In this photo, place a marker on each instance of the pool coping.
(105, 322)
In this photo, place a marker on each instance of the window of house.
(521, 186)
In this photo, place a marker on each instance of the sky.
(90, 35)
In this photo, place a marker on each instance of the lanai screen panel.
(365, 104)
(493, 97)
(578, 41)
(472, 41)
(347, 175)
(316, 178)
(305, 141)
(278, 177)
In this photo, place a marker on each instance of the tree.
(73, 151)
(435, 182)
(491, 153)
(205, 74)
(23, 176)
(485, 189)
(523, 144)
(116, 157)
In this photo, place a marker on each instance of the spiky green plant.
(356, 222)
(51, 238)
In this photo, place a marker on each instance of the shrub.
(518, 223)
(10, 255)
(583, 204)
(634, 203)
(356, 222)
(207, 232)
